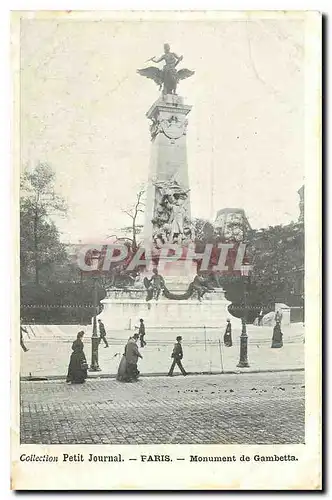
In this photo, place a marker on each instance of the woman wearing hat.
(131, 356)
(228, 334)
(78, 367)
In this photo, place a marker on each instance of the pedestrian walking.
(141, 332)
(22, 329)
(260, 318)
(278, 316)
(122, 370)
(277, 336)
(78, 367)
(122, 374)
(132, 354)
(177, 356)
(102, 333)
(228, 334)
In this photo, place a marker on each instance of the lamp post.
(94, 366)
(243, 363)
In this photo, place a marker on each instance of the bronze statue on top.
(169, 76)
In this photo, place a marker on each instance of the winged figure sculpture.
(168, 77)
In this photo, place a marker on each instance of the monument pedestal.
(122, 310)
(177, 274)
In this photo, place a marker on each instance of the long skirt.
(277, 337)
(76, 374)
(228, 340)
(122, 375)
(132, 372)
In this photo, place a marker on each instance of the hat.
(179, 337)
(135, 336)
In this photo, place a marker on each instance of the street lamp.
(243, 363)
(94, 367)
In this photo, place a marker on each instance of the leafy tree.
(204, 230)
(40, 245)
(277, 255)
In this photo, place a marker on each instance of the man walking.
(102, 333)
(260, 318)
(278, 316)
(141, 333)
(177, 355)
(132, 354)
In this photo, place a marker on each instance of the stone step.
(67, 333)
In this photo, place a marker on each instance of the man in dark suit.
(141, 332)
(102, 333)
(177, 355)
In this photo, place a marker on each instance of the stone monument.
(185, 301)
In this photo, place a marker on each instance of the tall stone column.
(168, 171)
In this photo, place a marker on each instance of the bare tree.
(133, 213)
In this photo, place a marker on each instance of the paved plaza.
(261, 408)
(50, 349)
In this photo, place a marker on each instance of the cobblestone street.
(266, 408)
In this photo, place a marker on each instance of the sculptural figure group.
(156, 285)
(171, 222)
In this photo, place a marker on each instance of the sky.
(83, 111)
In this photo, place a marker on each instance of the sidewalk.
(49, 357)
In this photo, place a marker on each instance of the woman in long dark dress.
(78, 367)
(277, 336)
(122, 374)
(228, 335)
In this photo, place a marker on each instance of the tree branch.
(128, 213)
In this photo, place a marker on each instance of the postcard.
(167, 233)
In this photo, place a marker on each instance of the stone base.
(122, 311)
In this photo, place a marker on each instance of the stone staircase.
(256, 335)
